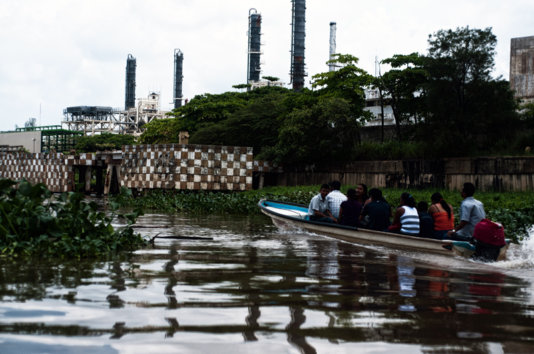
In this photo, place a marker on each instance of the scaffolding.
(92, 120)
(54, 138)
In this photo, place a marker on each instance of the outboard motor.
(489, 239)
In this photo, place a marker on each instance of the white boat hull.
(286, 216)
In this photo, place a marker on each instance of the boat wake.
(520, 256)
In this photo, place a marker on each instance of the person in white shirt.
(335, 198)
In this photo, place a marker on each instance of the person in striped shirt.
(406, 218)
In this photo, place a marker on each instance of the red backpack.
(489, 232)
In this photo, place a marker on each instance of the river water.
(240, 285)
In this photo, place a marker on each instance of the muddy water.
(239, 285)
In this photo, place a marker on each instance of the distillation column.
(254, 46)
(178, 77)
(332, 66)
(297, 44)
(131, 65)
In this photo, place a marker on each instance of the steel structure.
(178, 77)
(332, 49)
(254, 46)
(129, 101)
(96, 119)
(297, 44)
(54, 138)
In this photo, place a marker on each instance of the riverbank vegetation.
(445, 103)
(34, 222)
(512, 209)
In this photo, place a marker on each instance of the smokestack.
(297, 44)
(254, 46)
(131, 65)
(178, 77)
(332, 67)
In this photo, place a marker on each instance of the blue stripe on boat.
(285, 206)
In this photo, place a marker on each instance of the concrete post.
(88, 171)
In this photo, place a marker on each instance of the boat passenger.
(361, 193)
(443, 216)
(350, 209)
(406, 218)
(471, 213)
(335, 198)
(426, 223)
(318, 208)
(377, 212)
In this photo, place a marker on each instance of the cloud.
(60, 53)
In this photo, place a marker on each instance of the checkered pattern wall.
(173, 166)
(49, 169)
(86, 159)
(187, 167)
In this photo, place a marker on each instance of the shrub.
(33, 222)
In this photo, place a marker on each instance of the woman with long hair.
(406, 218)
(443, 216)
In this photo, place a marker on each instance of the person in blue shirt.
(318, 208)
(471, 213)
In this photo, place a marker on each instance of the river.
(239, 285)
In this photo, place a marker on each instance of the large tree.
(402, 87)
(465, 107)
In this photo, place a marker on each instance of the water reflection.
(253, 285)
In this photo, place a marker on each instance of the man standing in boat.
(334, 199)
(471, 212)
(318, 208)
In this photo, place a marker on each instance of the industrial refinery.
(137, 112)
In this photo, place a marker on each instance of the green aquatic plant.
(35, 222)
(513, 209)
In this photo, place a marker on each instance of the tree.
(30, 123)
(319, 130)
(349, 83)
(460, 92)
(403, 87)
(255, 124)
(103, 142)
(241, 86)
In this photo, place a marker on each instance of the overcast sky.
(60, 53)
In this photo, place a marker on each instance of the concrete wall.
(187, 167)
(487, 173)
(206, 167)
(50, 169)
(26, 139)
(522, 67)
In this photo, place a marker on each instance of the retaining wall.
(50, 169)
(487, 173)
(187, 167)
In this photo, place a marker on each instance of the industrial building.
(39, 139)
(90, 120)
(522, 68)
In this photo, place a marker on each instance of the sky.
(61, 53)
